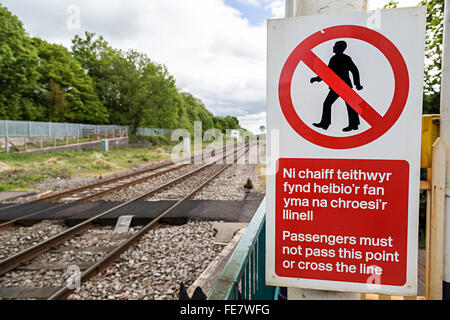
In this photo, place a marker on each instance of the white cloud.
(277, 8)
(253, 122)
(208, 46)
(252, 3)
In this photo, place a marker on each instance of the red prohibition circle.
(379, 124)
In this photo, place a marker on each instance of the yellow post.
(430, 132)
(435, 228)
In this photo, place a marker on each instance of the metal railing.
(30, 129)
(243, 277)
(36, 129)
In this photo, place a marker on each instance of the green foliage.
(224, 123)
(433, 54)
(249, 185)
(28, 169)
(156, 141)
(18, 67)
(64, 90)
(94, 83)
(139, 92)
(391, 4)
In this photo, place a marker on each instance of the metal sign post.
(445, 137)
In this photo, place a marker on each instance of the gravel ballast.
(19, 238)
(155, 267)
(52, 266)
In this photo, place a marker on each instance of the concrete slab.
(225, 231)
(209, 276)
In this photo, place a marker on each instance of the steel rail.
(19, 258)
(10, 223)
(111, 257)
(100, 183)
(83, 188)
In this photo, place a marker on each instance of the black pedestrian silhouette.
(342, 65)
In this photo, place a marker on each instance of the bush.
(162, 140)
(248, 185)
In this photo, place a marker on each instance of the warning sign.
(344, 107)
(336, 76)
(342, 219)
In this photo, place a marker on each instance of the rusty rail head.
(109, 259)
(7, 225)
(17, 259)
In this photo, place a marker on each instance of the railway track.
(95, 190)
(210, 170)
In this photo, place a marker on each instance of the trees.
(64, 91)
(160, 98)
(102, 64)
(136, 91)
(42, 81)
(433, 53)
(93, 83)
(18, 67)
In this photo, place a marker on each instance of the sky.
(216, 49)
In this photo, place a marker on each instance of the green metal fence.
(30, 129)
(243, 277)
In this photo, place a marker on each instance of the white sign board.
(344, 116)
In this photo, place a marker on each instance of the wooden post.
(24, 143)
(435, 228)
(427, 236)
(78, 136)
(54, 140)
(41, 142)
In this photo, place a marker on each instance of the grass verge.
(20, 171)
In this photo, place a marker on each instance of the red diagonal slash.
(341, 88)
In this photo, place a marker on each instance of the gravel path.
(154, 268)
